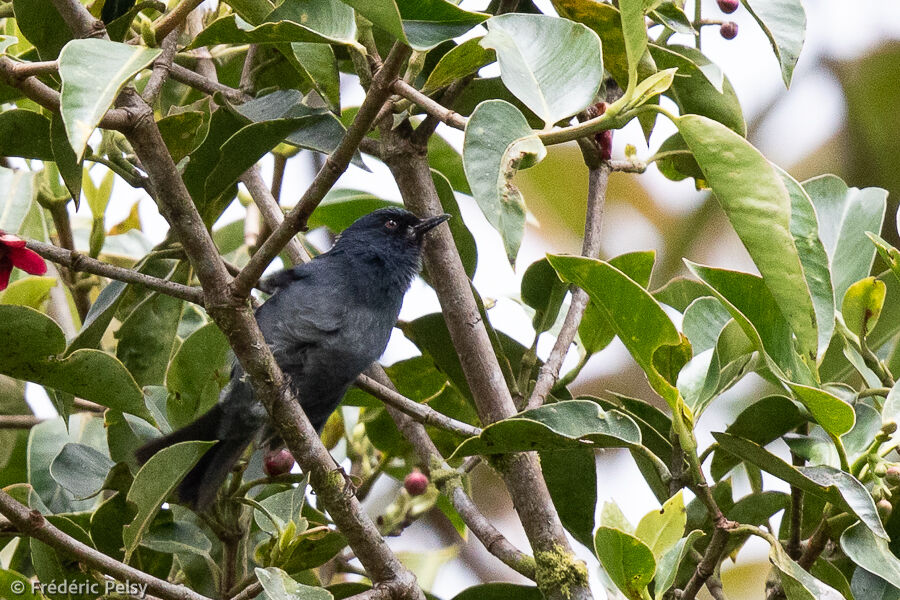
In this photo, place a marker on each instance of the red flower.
(13, 253)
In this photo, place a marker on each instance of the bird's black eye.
(390, 224)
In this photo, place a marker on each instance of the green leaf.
(80, 469)
(758, 205)
(798, 584)
(634, 30)
(543, 291)
(695, 90)
(278, 585)
(636, 317)
(98, 317)
(762, 422)
(29, 291)
(784, 23)
(93, 71)
(871, 553)
(703, 321)
(318, 64)
(552, 65)
(862, 305)
(626, 559)
(595, 330)
(284, 507)
(70, 168)
(805, 229)
(423, 24)
(196, 374)
(498, 140)
(845, 214)
(830, 484)
(153, 484)
(679, 292)
(833, 414)
(31, 348)
(499, 591)
(462, 60)
(661, 529)
(10, 580)
(888, 253)
(462, 237)
(341, 207)
(562, 425)
(25, 133)
(571, 477)
(42, 25)
(871, 587)
(182, 132)
(16, 199)
(316, 21)
(443, 157)
(177, 536)
(669, 563)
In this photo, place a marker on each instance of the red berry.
(278, 462)
(728, 6)
(729, 30)
(416, 483)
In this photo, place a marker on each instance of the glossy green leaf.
(462, 60)
(758, 205)
(11, 580)
(862, 305)
(833, 485)
(752, 305)
(29, 291)
(872, 587)
(252, 11)
(16, 199)
(462, 237)
(315, 21)
(784, 23)
(153, 484)
(661, 529)
(25, 133)
(31, 345)
(278, 585)
(798, 584)
(80, 469)
(695, 88)
(634, 30)
(93, 71)
(543, 291)
(805, 229)
(679, 292)
(182, 132)
(443, 157)
(594, 330)
(343, 206)
(499, 591)
(845, 214)
(888, 253)
(423, 24)
(636, 317)
(832, 413)
(498, 140)
(196, 374)
(871, 553)
(762, 422)
(319, 65)
(553, 65)
(562, 425)
(98, 317)
(571, 477)
(283, 507)
(628, 562)
(668, 564)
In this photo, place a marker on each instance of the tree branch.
(171, 21)
(521, 472)
(162, 66)
(598, 178)
(326, 178)
(206, 85)
(33, 524)
(432, 107)
(271, 211)
(77, 261)
(19, 421)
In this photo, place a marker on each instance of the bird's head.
(390, 230)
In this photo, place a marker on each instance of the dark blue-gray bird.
(326, 322)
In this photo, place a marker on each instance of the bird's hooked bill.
(430, 223)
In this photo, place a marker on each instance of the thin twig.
(33, 524)
(432, 107)
(161, 68)
(598, 179)
(206, 85)
(271, 212)
(77, 261)
(171, 21)
(711, 558)
(19, 421)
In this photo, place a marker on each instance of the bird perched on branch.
(326, 322)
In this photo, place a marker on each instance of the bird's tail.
(200, 486)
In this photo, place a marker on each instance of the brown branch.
(326, 178)
(80, 294)
(19, 421)
(206, 85)
(421, 413)
(171, 21)
(77, 261)
(162, 66)
(521, 472)
(598, 179)
(35, 89)
(432, 107)
(271, 212)
(33, 524)
(713, 555)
